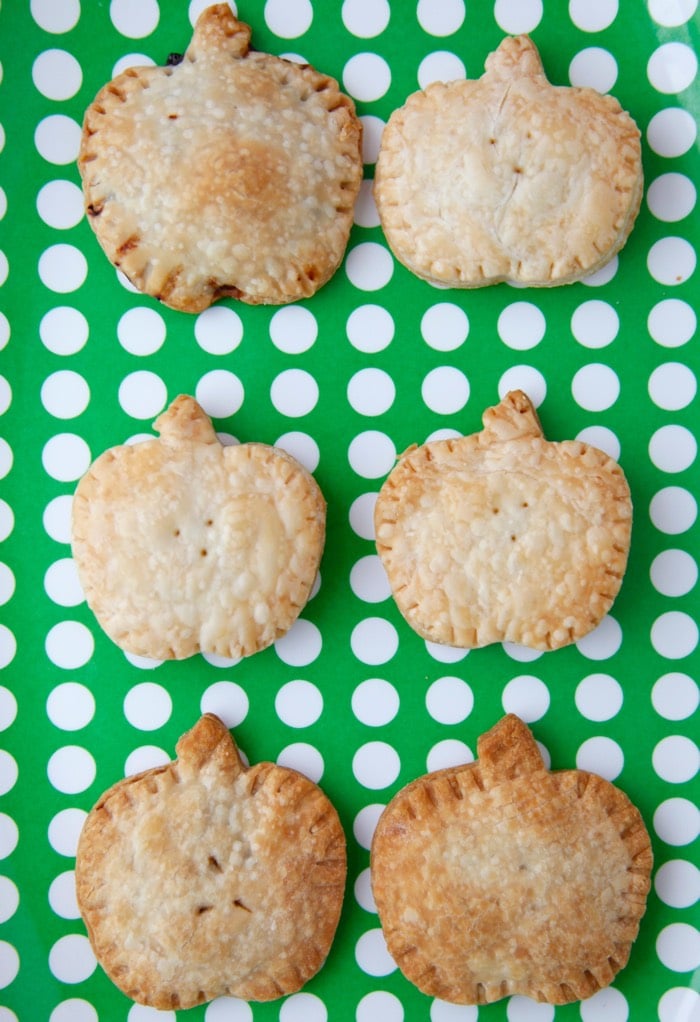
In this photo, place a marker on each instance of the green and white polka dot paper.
(375, 361)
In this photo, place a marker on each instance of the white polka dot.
(517, 16)
(449, 700)
(365, 213)
(294, 393)
(63, 330)
(675, 696)
(440, 66)
(365, 18)
(362, 515)
(218, 330)
(57, 139)
(595, 68)
(369, 266)
(445, 390)
(69, 644)
(595, 387)
(70, 706)
(602, 438)
(598, 697)
(593, 15)
(228, 701)
(62, 268)
(379, 1004)
(8, 646)
(134, 18)
(9, 964)
(448, 753)
(75, 1009)
(607, 1005)
(228, 1009)
(676, 759)
(443, 1011)
(366, 77)
(372, 955)
(525, 378)
(9, 899)
(8, 708)
(375, 702)
(673, 573)
(523, 1009)
(145, 757)
(4, 330)
(6, 458)
(7, 584)
(677, 821)
(56, 518)
(374, 641)
(142, 394)
(143, 663)
(299, 704)
(71, 769)
(64, 831)
(4, 268)
(672, 132)
(372, 128)
(672, 323)
(527, 696)
(370, 328)
(303, 1007)
(376, 765)
(371, 392)
(71, 959)
(678, 947)
(674, 635)
(671, 197)
(293, 329)
(9, 835)
(601, 756)
(680, 1004)
(302, 757)
(444, 326)
(62, 584)
(595, 324)
(521, 325)
(144, 1013)
(301, 645)
(672, 13)
(368, 580)
(365, 824)
(440, 19)
(56, 74)
(371, 454)
(141, 331)
(672, 386)
(671, 261)
(443, 434)
(62, 897)
(677, 883)
(5, 395)
(65, 394)
(220, 393)
(603, 642)
(147, 706)
(60, 204)
(9, 772)
(302, 447)
(131, 60)
(65, 457)
(673, 510)
(672, 448)
(445, 654)
(288, 18)
(55, 16)
(672, 67)
(602, 276)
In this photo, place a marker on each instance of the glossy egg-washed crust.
(183, 544)
(233, 173)
(503, 535)
(508, 177)
(498, 877)
(204, 878)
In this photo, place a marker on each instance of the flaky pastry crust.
(233, 173)
(182, 544)
(508, 177)
(503, 535)
(499, 878)
(204, 878)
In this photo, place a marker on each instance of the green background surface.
(29, 614)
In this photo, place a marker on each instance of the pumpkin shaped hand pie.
(504, 535)
(182, 544)
(233, 173)
(499, 877)
(508, 177)
(205, 878)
